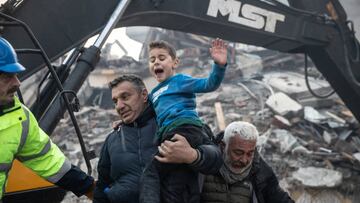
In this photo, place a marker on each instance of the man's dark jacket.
(128, 150)
(265, 184)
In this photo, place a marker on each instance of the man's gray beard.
(230, 175)
(227, 162)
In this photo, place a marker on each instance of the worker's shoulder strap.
(25, 128)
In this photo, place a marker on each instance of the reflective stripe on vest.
(45, 150)
(63, 170)
(25, 129)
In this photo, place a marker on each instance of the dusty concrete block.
(316, 103)
(294, 85)
(281, 122)
(329, 137)
(283, 105)
(314, 116)
(318, 177)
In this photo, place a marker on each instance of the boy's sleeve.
(202, 85)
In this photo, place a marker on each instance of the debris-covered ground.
(312, 144)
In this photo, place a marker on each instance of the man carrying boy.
(174, 102)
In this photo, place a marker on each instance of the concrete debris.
(316, 103)
(318, 177)
(339, 122)
(312, 115)
(293, 84)
(247, 65)
(283, 105)
(281, 122)
(344, 146)
(322, 196)
(357, 156)
(284, 139)
(329, 138)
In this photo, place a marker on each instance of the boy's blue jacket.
(175, 97)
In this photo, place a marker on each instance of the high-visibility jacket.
(23, 139)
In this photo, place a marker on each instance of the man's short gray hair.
(133, 79)
(244, 130)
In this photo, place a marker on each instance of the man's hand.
(178, 150)
(218, 51)
(116, 124)
(90, 192)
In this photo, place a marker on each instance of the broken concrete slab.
(329, 137)
(283, 105)
(344, 146)
(320, 196)
(357, 156)
(247, 65)
(314, 116)
(281, 122)
(318, 177)
(284, 139)
(316, 103)
(293, 84)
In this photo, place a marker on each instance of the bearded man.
(244, 176)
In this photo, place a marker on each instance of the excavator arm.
(317, 28)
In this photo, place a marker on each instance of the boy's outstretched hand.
(218, 51)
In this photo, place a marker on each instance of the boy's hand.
(218, 51)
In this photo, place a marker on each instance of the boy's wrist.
(220, 65)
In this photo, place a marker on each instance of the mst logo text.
(245, 14)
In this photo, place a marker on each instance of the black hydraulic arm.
(268, 26)
(85, 64)
(319, 28)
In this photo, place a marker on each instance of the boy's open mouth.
(159, 70)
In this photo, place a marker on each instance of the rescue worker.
(23, 139)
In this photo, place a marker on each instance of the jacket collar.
(146, 115)
(12, 106)
(11, 115)
(255, 162)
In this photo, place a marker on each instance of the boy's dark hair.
(133, 79)
(163, 45)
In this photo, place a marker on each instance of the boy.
(174, 102)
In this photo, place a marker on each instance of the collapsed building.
(312, 144)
